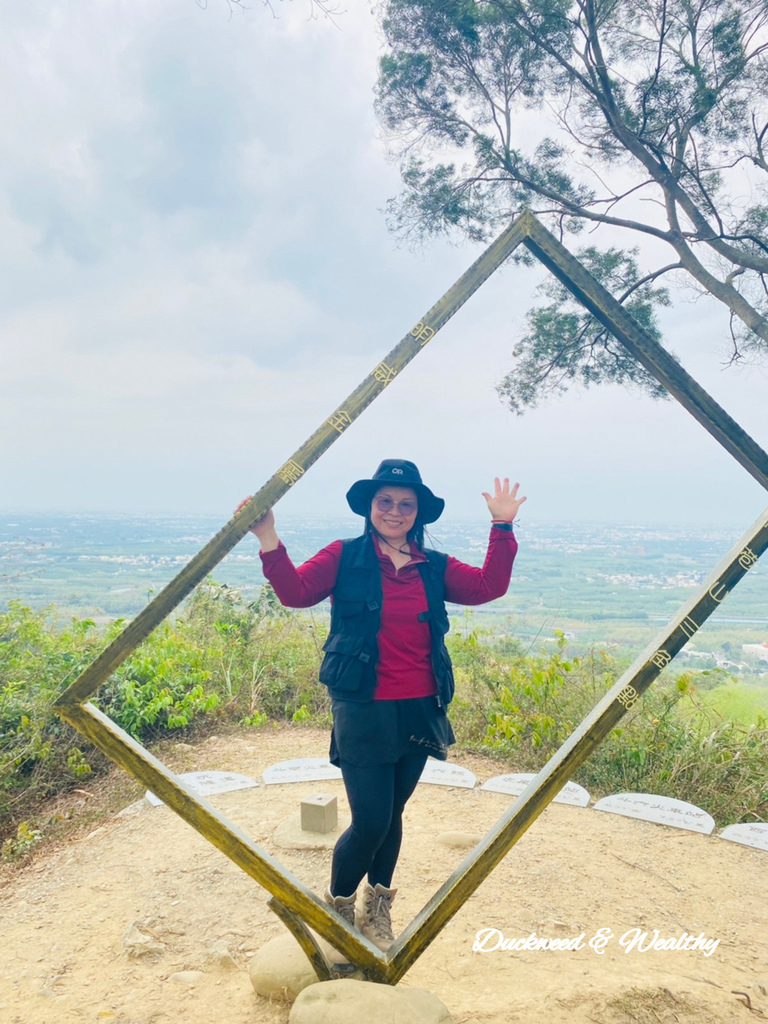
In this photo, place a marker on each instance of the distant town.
(612, 585)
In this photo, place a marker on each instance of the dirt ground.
(63, 916)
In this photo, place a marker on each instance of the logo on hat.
(399, 472)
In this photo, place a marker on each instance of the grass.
(740, 702)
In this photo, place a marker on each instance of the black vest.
(351, 650)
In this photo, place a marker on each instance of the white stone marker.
(206, 783)
(515, 783)
(663, 810)
(748, 834)
(441, 773)
(300, 769)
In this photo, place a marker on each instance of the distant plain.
(599, 583)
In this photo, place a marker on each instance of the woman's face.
(393, 513)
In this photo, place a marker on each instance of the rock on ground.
(219, 955)
(459, 840)
(349, 1002)
(137, 943)
(189, 978)
(280, 969)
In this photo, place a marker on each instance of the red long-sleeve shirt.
(405, 667)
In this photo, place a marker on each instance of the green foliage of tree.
(655, 117)
(564, 343)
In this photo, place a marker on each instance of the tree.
(655, 124)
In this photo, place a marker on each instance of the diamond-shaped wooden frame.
(293, 902)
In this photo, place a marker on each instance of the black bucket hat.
(397, 473)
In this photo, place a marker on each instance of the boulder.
(280, 969)
(349, 1002)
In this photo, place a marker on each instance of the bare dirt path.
(64, 916)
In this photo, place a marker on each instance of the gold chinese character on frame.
(340, 421)
(716, 591)
(290, 472)
(747, 558)
(384, 374)
(689, 626)
(422, 332)
(628, 697)
(661, 658)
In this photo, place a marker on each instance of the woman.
(386, 666)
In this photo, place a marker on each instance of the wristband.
(502, 524)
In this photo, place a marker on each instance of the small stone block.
(319, 813)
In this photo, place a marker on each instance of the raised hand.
(263, 528)
(504, 503)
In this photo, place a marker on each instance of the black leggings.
(377, 796)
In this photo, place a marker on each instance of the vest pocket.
(348, 601)
(344, 662)
(444, 672)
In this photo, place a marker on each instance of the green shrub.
(26, 838)
(264, 660)
(245, 663)
(525, 707)
(162, 686)
(39, 754)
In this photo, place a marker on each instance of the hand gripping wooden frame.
(296, 905)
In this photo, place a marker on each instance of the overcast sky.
(196, 271)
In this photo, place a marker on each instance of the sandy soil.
(63, 917)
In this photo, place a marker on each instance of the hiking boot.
(343, 905)
(345, 908)
(374, 920)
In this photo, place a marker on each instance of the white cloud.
(196, 271)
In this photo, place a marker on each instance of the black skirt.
(383, 731)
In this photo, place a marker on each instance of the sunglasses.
(404, 508)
